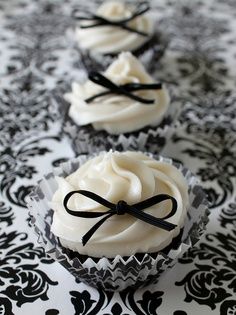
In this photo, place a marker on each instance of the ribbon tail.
(93, 229)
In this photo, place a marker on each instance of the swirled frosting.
(117, 113)
(129, 176)
(111, 39)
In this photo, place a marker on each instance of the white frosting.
(129, 176)
(112, 39)
(118, 113)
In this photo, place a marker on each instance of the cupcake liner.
(117, 273)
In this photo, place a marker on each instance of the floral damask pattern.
(194, 35)
(203, 110)
(216, 148)
(26, 283)
(38, 63)
(6, 213)
(147, 305)
(211, 283)
(228, 215)
(25, 113)
(38, 47)
(14, 168)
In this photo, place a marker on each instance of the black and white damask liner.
(119, 273)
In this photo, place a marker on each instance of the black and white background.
(37, 62)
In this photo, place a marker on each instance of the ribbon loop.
(142, 8)
(121, 208)
(123, 89)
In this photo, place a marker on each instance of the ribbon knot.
(142, 8)
(121, 208)
(123, 89)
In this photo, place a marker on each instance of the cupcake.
(119, 107)
(113, 27)
(118, 219)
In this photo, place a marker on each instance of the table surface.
(199, 65)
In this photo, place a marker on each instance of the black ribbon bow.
(142, 8)
(123, 89)
(121, 208)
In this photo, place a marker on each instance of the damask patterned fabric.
(38, 62)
